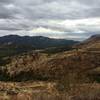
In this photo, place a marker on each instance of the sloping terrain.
(40, 76)
(92, 44)
(41, 66)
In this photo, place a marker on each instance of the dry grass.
(47, 91)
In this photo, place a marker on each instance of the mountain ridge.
(91, 43)
(32, 39)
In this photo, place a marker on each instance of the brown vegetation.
(70, 75)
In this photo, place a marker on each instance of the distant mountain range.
(38, 42)
(14, 44)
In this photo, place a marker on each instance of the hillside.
(68, 75)
(93, 43)
(41, 66)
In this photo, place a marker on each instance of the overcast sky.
(70, 19)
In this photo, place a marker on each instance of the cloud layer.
(74, 19)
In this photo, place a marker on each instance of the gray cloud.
(5, 1)
(62, 16)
